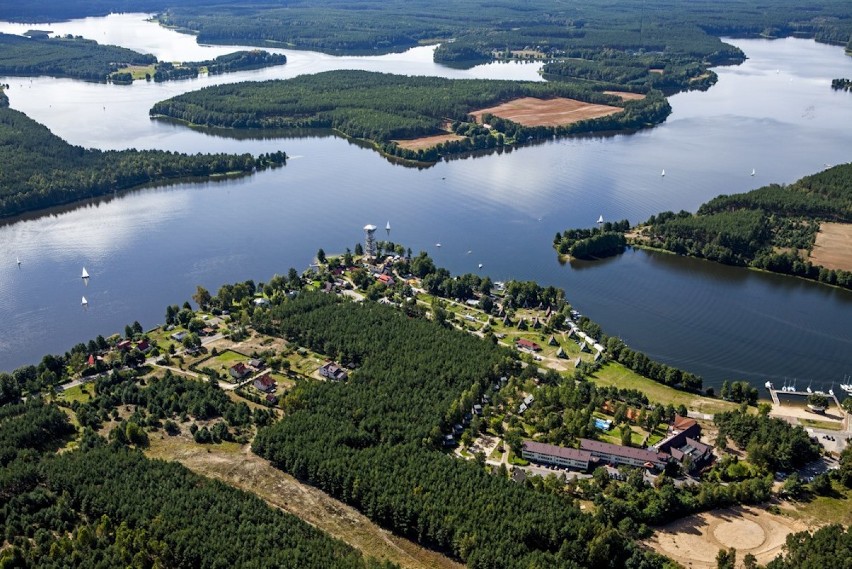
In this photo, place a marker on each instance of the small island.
(78, 58)
(419, 119)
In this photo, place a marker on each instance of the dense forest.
(770, 442)
(65, 57)
(382, 107)
(373, 441)
(108, 506)
(40, 170)
(604, 241)
(770, 228)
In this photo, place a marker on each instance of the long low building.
(560, 456)
(616, 454)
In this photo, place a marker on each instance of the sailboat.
(18, 259)
(480, 265)
(387, 227)
(752, 171)
(85, 273)
(437, 244)
(600, 219)
(85, 302)
(663, 174)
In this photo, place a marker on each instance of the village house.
(238, 370)
(524, 344)
(566, 457)
(256, 363)
(333, 371)
(265, 383)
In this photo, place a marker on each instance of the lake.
(149, 248)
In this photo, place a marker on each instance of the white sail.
(663, 173)
(480, 265)
(85, 302)
(19, 261)
(388, 226)
(752, 171)
(85, 273)
(600, 219)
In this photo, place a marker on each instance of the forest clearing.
(425, 142)
(833, 246)
(530, 111)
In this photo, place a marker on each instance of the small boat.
(663, 174)
(85, 302)
(752, 172)
(480, 265)
(387, 227)
(18, 259)
(768, 385)
(469, 251)
(437, 244)
(600, 219)
(85, 273)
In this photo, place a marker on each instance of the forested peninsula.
(373, 439)
(73, 57)
(88, 60)
(802, 229)
(40, 170)
(389, 110)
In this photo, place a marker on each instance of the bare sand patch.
(529, 111)
(833, 246)
(626, 95)
(425, 142)
(695, 540)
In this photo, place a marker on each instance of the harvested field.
(529, 111)
(695, 540)
(427, 141)
(833, 246)
(239, 467)
(626, 96)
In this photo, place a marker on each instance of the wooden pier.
(777, 402)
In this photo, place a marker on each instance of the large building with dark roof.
(559, 456)
(616, 454)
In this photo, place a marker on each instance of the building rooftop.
(553, 450)
(618, 450)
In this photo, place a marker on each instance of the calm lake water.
(145, 249)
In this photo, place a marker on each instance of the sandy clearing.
(427, 141)
(241, 468)
(529, 111)
(695, 540)
(627, 96)
(833, 246)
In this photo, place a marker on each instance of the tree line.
(771, 228)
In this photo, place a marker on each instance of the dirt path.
(241, 468)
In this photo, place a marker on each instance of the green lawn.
(616, 374)
(81, 393)
(832, 425)
(825, 510)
